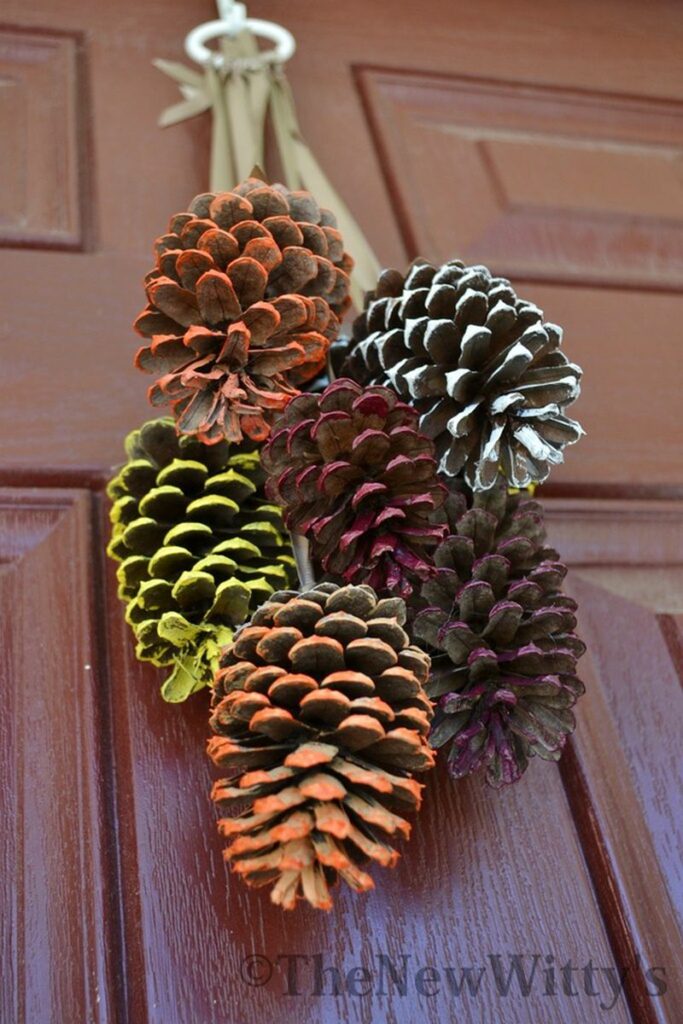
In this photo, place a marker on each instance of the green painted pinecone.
(199, 548)
(485, 372)
(320, 721)
(502, 635)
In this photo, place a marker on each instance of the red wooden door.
(542, 138)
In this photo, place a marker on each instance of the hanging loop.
(233, 22)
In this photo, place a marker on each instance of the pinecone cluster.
(485, 372)
(323, 708)
(353, 473)
(320, 721)
(502, 632)
(198, 547)
(243, 302)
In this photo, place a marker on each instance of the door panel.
(57, 886)
(556, 188)
(42, 124)
(624, 773)
(542, 183)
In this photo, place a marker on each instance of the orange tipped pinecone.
(243, 302)
(321, 721)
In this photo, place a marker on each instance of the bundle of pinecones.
(357, 571)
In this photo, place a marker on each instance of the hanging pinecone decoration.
(245, 297)
(199, 548)
(504, 668)
(321, 722)
(355, 476)
(483, 369)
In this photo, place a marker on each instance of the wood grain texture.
(485, 873)
(122, 911)
(627, 573)
(465, 888)
(469, 885)
(57, 892)
(69, 392)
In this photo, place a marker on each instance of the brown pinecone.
(502, 632)
(355, 476)
(321, 721)
(245, 297)
(486, 374)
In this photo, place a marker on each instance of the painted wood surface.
(122, 911)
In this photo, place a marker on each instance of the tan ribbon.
(240, 102)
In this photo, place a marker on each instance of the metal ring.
(285, 44)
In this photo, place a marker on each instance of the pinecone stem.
(331, 375)
(302, 557)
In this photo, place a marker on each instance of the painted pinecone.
(321, 721)
(504, 678)
(355, 476)
(199, 548)
(245, 297)
(486, 374)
